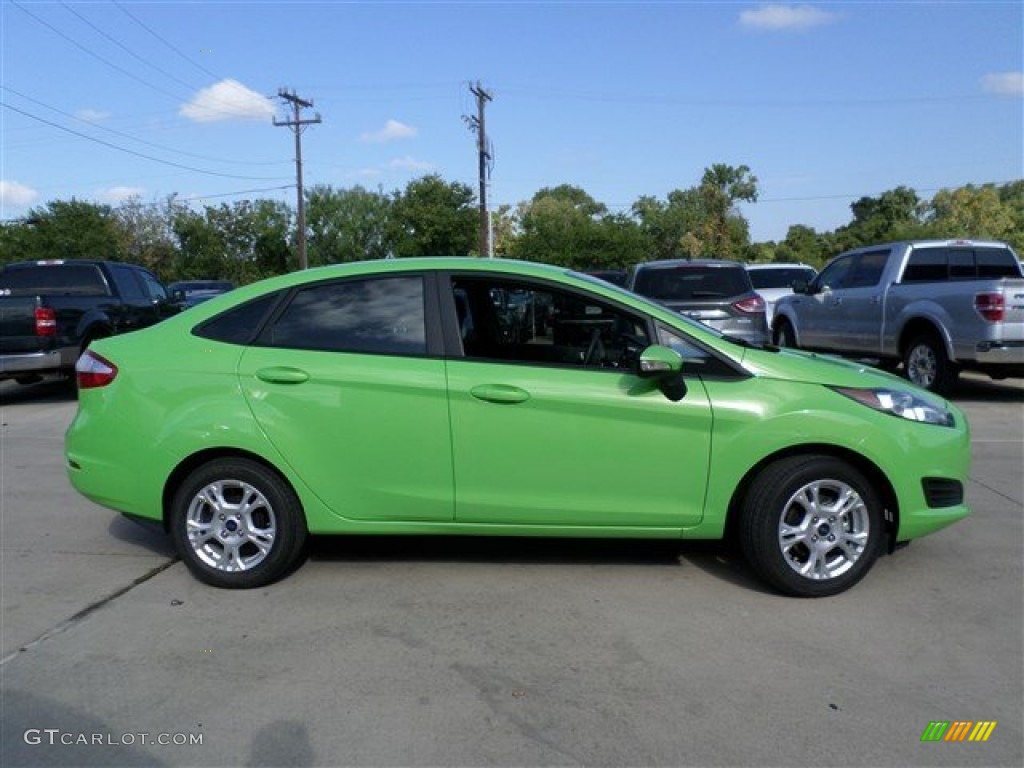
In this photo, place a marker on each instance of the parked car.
(614, 276)
(192, 292)
(50, 311)
(937, 306)
(773, 281)
(718, 293)
(387, 398)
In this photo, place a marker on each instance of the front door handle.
(282, 375)
(500, 393)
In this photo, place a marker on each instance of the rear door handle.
(500, 393)
(282, 375)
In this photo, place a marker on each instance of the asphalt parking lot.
(499, 652)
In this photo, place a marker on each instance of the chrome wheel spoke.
(823, 529)
(231, 525)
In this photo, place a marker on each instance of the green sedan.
(501, 398)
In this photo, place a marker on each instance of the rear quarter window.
(241, 324)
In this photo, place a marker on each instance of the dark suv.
(717, 293)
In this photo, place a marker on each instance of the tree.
(433, 218)
(803, 245)
(972, 213)
(893, 215)
(558, 226)
(147, 234)
(347, 224)
(71, 229)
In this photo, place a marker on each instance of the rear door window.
(375, 316)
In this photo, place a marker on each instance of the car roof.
(670, 263)
(786, 265)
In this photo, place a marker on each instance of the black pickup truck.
(51, 310)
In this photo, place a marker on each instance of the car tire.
(784, 335)
(811, 526)
(926, 364)
(237, 524)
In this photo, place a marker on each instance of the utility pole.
(478, 125)
(297, 125)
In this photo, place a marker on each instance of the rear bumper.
(1000, 353)
(30, 363)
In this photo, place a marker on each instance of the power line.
(155, 34)
(133, 152)
(135, 138)
(95, 55)
(128, 50)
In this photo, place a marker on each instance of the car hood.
(813, 368)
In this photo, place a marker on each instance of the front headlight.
(900, 402)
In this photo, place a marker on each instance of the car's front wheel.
(811, 526)
(237, 524)
(783, 335)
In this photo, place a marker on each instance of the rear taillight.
(93, 371)
(990, 306)
(750, 306)
(46, 322)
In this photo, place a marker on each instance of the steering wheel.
(595, 350)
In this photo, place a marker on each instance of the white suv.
(773, 281)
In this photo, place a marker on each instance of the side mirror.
(665, 366)
(800, 286)
(178, 295)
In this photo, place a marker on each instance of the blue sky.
(824, 101)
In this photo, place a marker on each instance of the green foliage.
(63, 229)
(347, 225)
(242, 241)
(252, 239)
(432, 217)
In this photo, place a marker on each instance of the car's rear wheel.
(926, 364)
(237, 524)
(811, 526)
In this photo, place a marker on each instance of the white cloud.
(92, 115)
(115, 195)
(392, 131)
(16, 195)
(227, 100)
(366, 173)
(1004, 83)
(410, 164)
(775, 16)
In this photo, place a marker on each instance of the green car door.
(550, 425)
(342, 386)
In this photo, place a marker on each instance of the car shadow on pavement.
(982, 390)
(149, 536)
(55, 391)
(713, 557)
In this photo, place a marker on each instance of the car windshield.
(686, 283)
(780, 277)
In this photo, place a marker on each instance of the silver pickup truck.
(937, 307)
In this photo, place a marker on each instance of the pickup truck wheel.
(811, 526)
(926, 364)
(784, 335)
(237, 524)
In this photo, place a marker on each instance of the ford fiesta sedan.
(488, 397)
